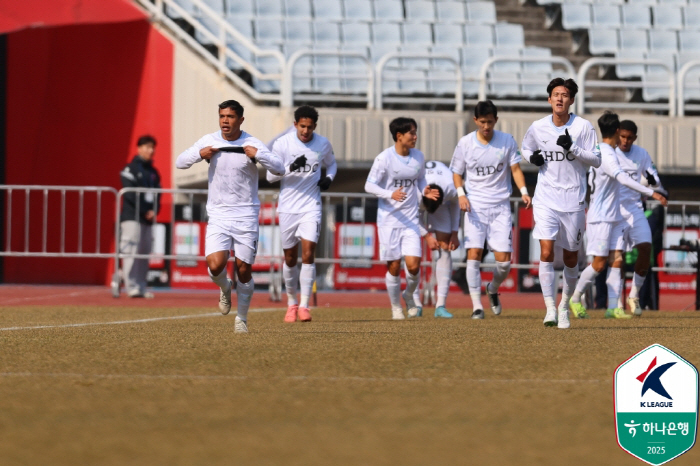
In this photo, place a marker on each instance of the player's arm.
(586, 148)
(376, 175)
(458, 165)
(515, 157)
(331, 167)
(260, 153)
(531, 152)
(198, 152)
(278, 151)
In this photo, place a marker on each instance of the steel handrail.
(681, 84)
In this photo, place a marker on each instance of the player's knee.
(216, 265)
(307, 257)
(643, 248)
(244, 272)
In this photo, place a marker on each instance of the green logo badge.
(656, 405)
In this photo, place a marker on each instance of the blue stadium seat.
(535, 74)
(186, 5)
(216, 5)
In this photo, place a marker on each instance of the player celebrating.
(636, 162)
(232, 204)
(484, 156)
(303, 153)
(397, 178)
(563, 146)
(443, 221)
(605, 227)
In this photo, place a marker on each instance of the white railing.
(681, 86)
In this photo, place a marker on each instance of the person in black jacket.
(138, 214)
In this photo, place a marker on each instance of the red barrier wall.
(78, 97)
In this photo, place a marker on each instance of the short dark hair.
(569, 84)
(629, 125)
(306, 111)
(608, 123)
(401, 125)
(146, 139)
(484, 108)
(233, 105)
(430, 205)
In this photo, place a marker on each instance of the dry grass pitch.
(351, 387)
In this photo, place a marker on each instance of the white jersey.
(561, 182)
(233, 177)
(391, 171)
(299, 191)
(487, 167)
(606, 184)
(635, 163)
(438, 173)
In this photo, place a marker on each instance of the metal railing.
(682, 73)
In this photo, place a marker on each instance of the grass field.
(351, 387)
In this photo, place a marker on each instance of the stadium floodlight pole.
(681, 84)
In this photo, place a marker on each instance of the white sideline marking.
(134, 321)
(50, 296)
(290, 377)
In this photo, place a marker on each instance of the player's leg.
(245, 246)
(500, 239)
(290, 271)
(390, 251)
(574, 225)
(443, 274)
(411, 249)
(475, 229)
(546, 229)
(128, 245)
(614, 283)
(640, 236)
(598, 246)
(309, 231)
(217, 244)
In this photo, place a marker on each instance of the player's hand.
(650, 178)
(527, 200)
(464, 204)
(659, 197)
(399, 195)
(432, 243)
(250, 152)
(207, 152)
(537, 158)
(454, 241)
(149, 215)
(298, 163)
(565, 141)
(324, 183)
(432, 194)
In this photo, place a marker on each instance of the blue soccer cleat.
(441, 312)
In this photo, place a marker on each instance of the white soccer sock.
(245, 294)
(443, 275)
(393, 287)
(613, 281)
(500, 274)
(474, 282)
(547, 283)
(412, 283)
(570, 277)
(416, 292)
(587, 277)
(637, 283)
(221, 280)
(306, 280)
(291, 276)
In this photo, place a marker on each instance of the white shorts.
(638, 231)
(492, 224)
(395, 243)
(565, 228)
(239, 235)
(306, 226)
(603, 237)
(440, 221)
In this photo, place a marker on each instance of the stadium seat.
(448, 50)
(630, 71)
(240, 10)
(536, 67)
(305, 63)
(642, 2)
(689, 41)
(358, 10)
(415, 63)
(270, 65)
(606, 16)
(269, 31)
(388, 10)
(667, 17)
(417, 33)
(386, 33)
(328, 10)
(211, 25)
(692, 78)
(451, 12)
(534, 74)
(479, 34)
(325, 32)
(242, 25)
(356, 33)
(216, 5)
(633, 39)
(636, 16)
(509, 35)
(442, 82)
(473, 59)
(413, 82)
(297, 9)
(448, 34)
(691, 16)
(663, 40)
(420, 10)
(269, 8)
(673, 2)
(575, 16)
(609, 2)
(298, 31)
(377, 51)
(658, 74)
(481, 12)
(602, 41)
(186, 5)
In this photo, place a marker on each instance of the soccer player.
(303, 153)
(443, 222)
(636, 162)
(605, 227)
(397, 178)
(232, 203)
(563, 146)
(487, 157)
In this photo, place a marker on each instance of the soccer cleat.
(411, 305)
(441, 313)
(420, 312)
(563, 320)
(493, 300)
(241, 326)
(578, 310)
(478, 314)
(397, 313)
(304, 314)
(633, 303)
(291, 315)
(550, 320)
(225, 298)
(617, 313)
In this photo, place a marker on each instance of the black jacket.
(139, 174)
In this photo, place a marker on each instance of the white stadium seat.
(358, 10)
(442, 82)
(692, 78)
(415, 63)
(473, 59)
(451, 12)
(448, 50)
(269, 31)
(216, 5)
(636, 16)
(448, 34)
(297, 9)
(691, 16)
(388, 10)
(642, 2)
(420, 10)
(211, 25)
(663, 40)
(667, 17)
(535, 74)
(478, 34)
(329, 10)
(689, 41)
(356, 33)
(417, 33)
(576, 16)
(602, 41)
(673, 2)
(630, 71)
(606, 16)
(240, 9)
(386, 33)
(481, 12)
(298, 31)
(511, 35)
(269, 8)
(186, 5)
(633, 39)
(242, 25)
(325, 32)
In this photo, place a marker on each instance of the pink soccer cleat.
(291, 316)
(304, 314)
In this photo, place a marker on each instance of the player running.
(232, 203)
(484, 156)
(636, 162)
(304, 153)
(563, 146)
(443, 221)
(605, 227)
(397, 178)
